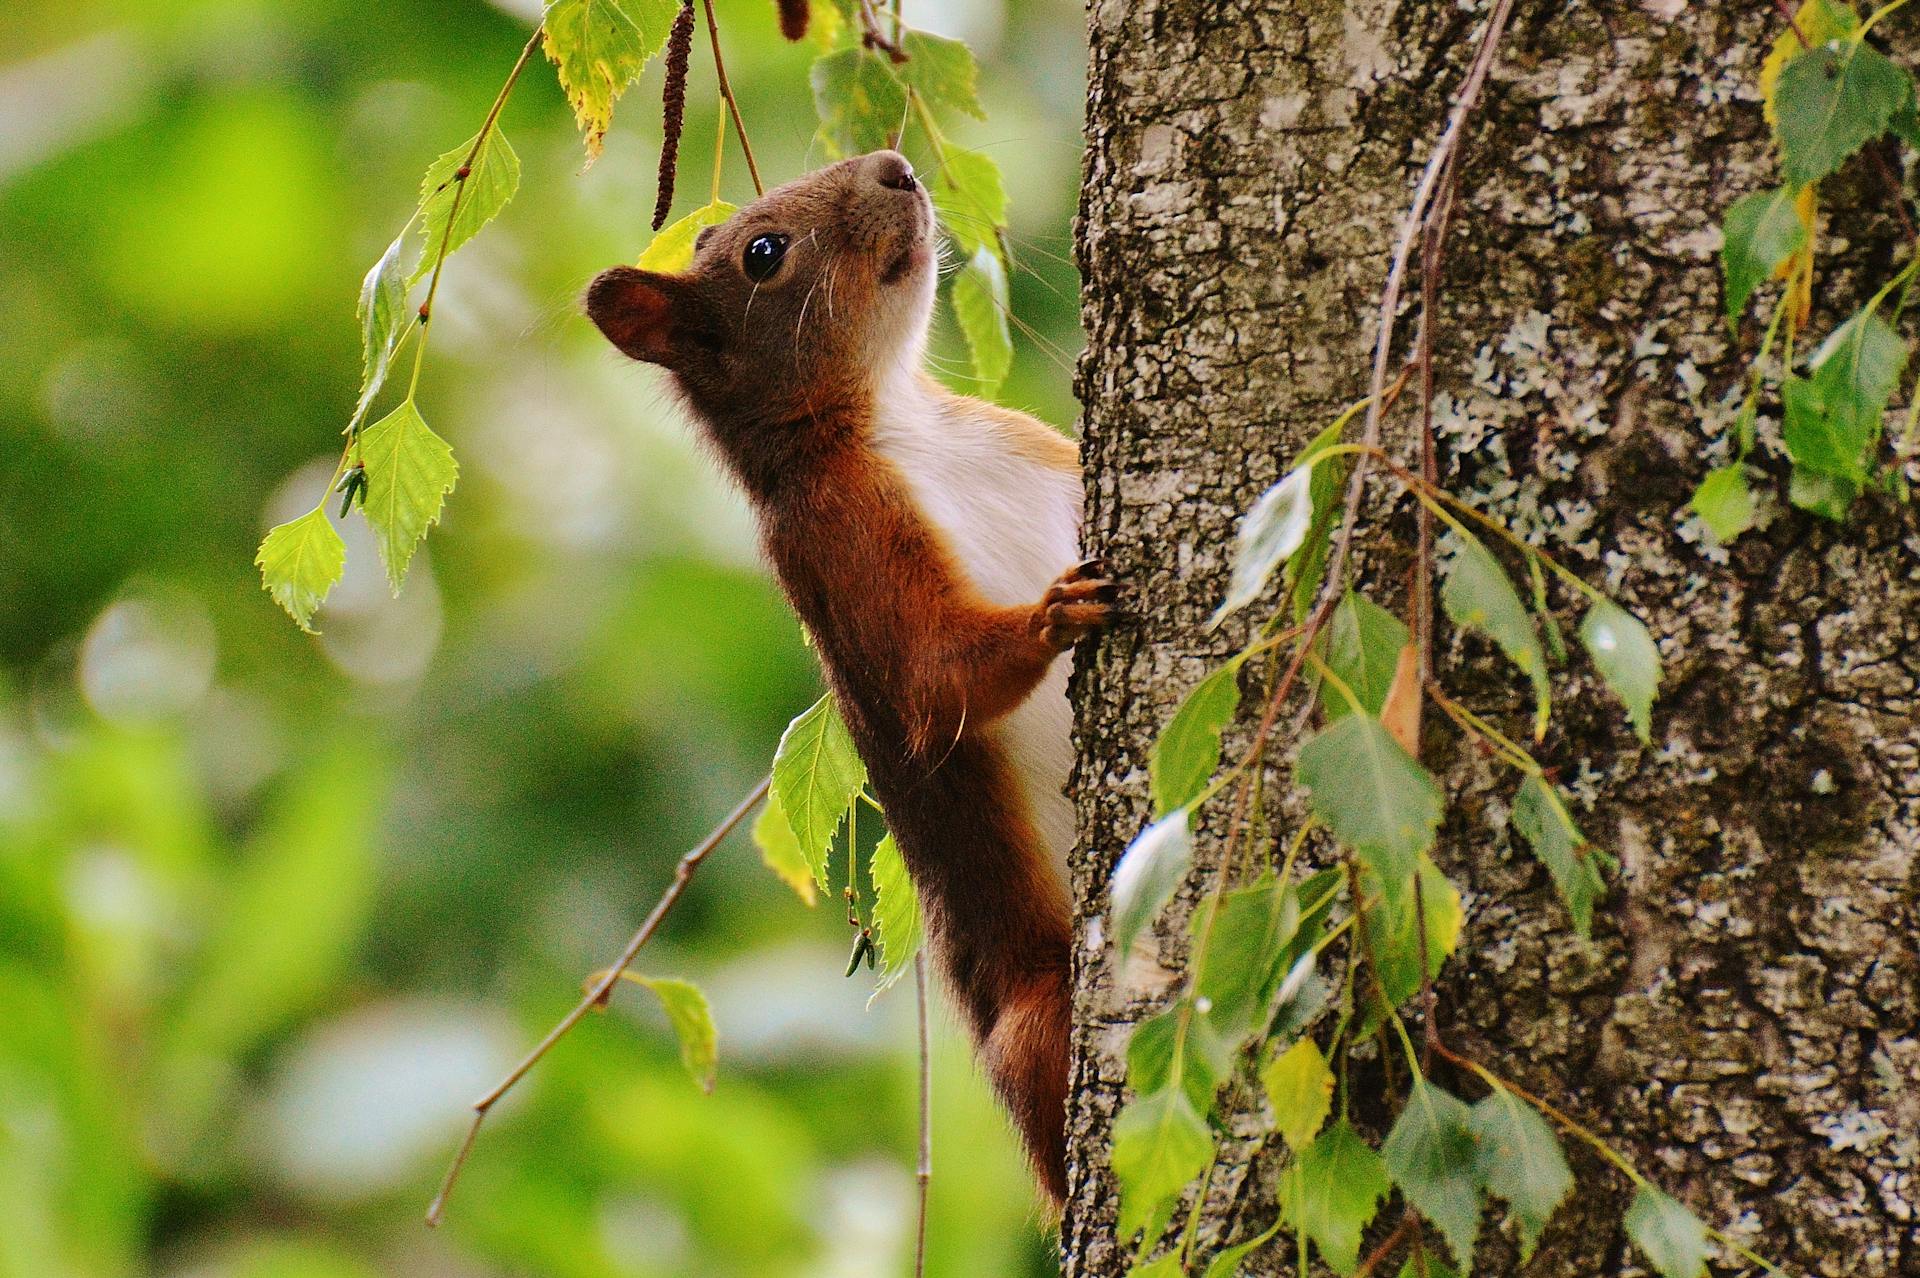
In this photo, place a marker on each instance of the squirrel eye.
(763, 257)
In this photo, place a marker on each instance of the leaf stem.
(1884, 11)
(726, 93)
(460, 177)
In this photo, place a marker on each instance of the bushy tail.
(1025, 1055)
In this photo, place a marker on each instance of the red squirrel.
(930, 543)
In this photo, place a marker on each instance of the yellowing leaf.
(492, 178)
(1819, 21)
(780, 850)
(598, 48)
(300, 561)
(1300, 1089)
(692, 1021)
(410, 471)
(671, 251)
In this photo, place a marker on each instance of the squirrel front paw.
(1076, 605)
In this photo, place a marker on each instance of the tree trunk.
(1746, 1024)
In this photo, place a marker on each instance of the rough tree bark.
(1746, 1025)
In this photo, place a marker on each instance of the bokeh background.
(273, 909)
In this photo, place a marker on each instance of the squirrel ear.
(640, 312)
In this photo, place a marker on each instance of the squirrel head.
(803, 299)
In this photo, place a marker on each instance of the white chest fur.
(1013, 523)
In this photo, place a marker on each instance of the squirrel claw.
(1078, 604)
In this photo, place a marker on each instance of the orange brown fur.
(789, 376)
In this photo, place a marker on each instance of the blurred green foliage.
(273, 909)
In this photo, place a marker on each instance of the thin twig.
(1375, 1258)
(602, 990)
(1410, 227)
(923, 1169)
(1432, 252)
(872, 37)
(726, 91)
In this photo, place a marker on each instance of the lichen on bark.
(1746, 1024)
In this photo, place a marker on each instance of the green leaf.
(1624, 653)
(780, 850)
(1760, 232)
(1478, 595)
(816, 774)
(410, 471)
(1332, 1191)
(1161, 1040)
(1165, 1266)
(1834, 421)
(1519, 1160)
(1829, 496)
(692, 1021)
(1831, 101)
(1432, 1156)
(1373, 795)
(1300, 1089)
(1672, 1237)
(1149, 873)
(1364, 642)
(1542, 819)
(1273, 530)
(489, 184)
(383, 320)
(861, 103)
(598, 48)
(1236, 943)
(1187, 752)
(971, 198)
(1160, 1145)
(1306, 569)
(943, 72)
(671, 251)
(1725, 503)
(980, 306)
(300, 561)
(896, 912)
(1394, 941)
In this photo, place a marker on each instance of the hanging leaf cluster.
(1827, 94)
(867, 86)
(1267, 996)
(813, 807)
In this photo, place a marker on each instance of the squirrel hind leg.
(1025, 1055)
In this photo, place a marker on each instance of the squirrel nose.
(891, 170)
